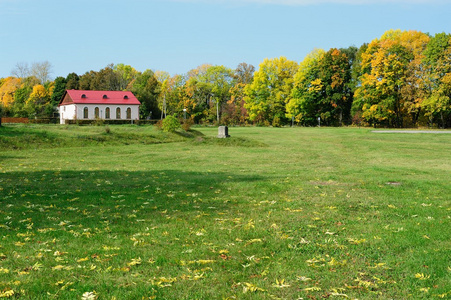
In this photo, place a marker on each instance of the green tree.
(85, 81)
(106, 80)
(72, 81)
(146, 88)
(437, 60)
(125, 75)
(59, 87)
(267, 95)
(304, 104)
(336, 93)
(218, 80)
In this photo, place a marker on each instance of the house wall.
(67, 112)
(76, 111)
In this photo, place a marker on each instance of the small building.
(93, 105)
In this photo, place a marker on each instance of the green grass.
(269, 213)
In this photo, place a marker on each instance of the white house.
(92, 105)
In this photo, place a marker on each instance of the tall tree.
(269, 92)
(219, 80)
(304, 104)
(163, 79)
(336, 94)
(146, 89)
(21, 70)
(106, 80)
(72, 81)
(85, 82)
(437, 59)
(244, 73)
(42, 71)
(7, 90)
(391, 75)
(39, 103)
(125, 75)
(59, 87)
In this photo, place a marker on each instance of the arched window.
(96, 112)
(85, 113)
(118, 113)
(107, 113)
(129, 113)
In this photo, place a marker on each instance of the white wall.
(76, 111)
(67, 112)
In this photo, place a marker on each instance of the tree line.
(402, 79)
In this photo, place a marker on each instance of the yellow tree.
(270, 90)
(7, 90)
(390, 90)
(39, 104)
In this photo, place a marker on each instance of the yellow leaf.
(312, 289)
(7, 294)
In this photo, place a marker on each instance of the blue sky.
(178, 35)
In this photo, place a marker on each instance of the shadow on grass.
(168, 189)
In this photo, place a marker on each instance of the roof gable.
(99, 97)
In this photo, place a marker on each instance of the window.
(118, 113)
(126, 97)
(83, 96)
(107, 113)
(105, 97)
(85, 113)
(96, 112)
(129, 113)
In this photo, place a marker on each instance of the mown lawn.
(271, 213)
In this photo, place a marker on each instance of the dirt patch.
(394, 183)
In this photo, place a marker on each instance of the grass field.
(128, 212)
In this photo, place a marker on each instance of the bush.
(159, 124)
(276, 122)
(170, 124)
(187, 124)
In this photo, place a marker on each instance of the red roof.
(100, 97)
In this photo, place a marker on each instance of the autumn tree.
(7, 90)
(244, 73)
(39, 103)
(270, 90)
(391, 71)
(234, 111)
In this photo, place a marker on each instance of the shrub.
(170, 124)
(276, 122)
(159, 124)
(187, 124)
